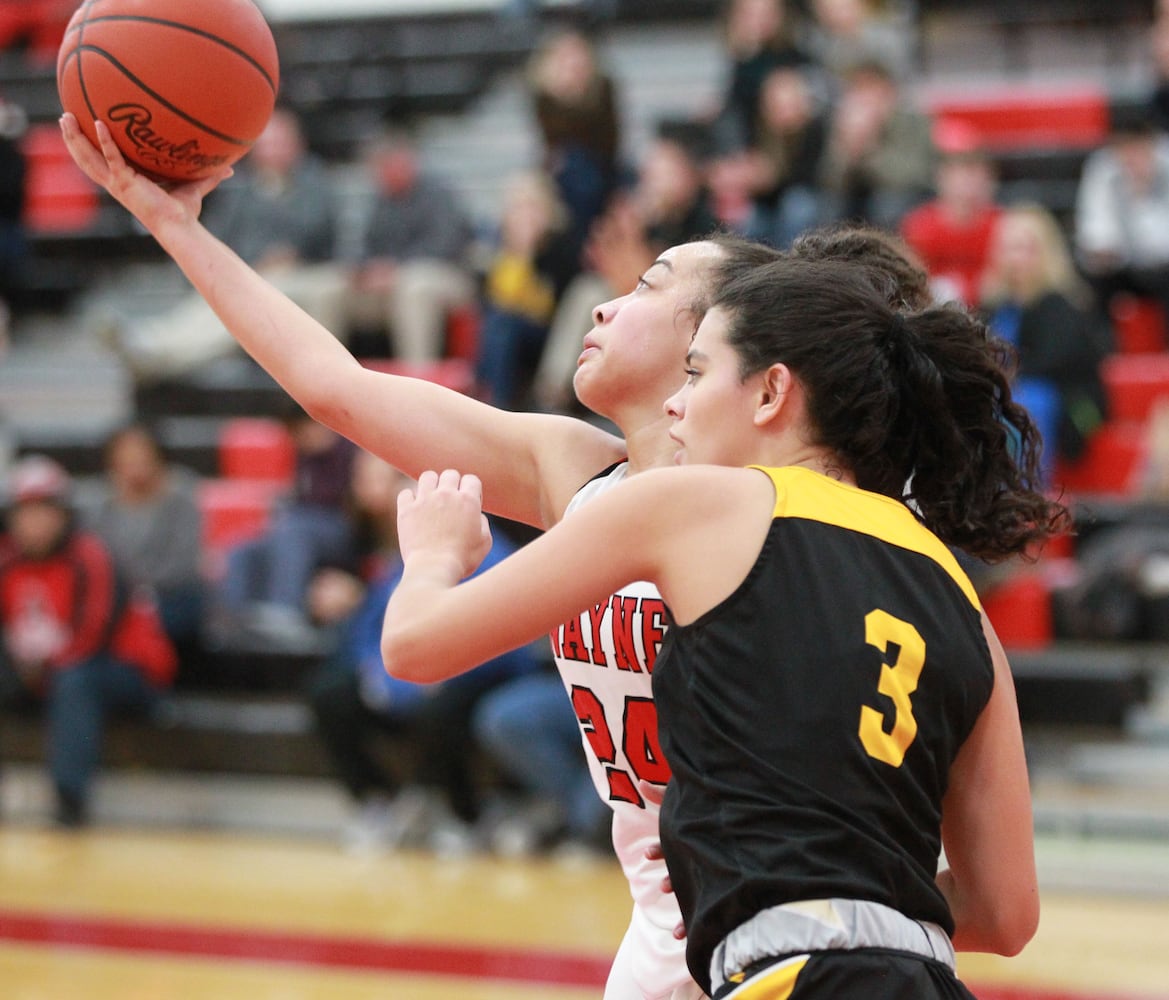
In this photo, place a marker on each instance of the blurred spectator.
(74, 637)
(1122, 212)
(265, 586)
(670, 204)
(529, 269)
(776, 174)
(844, 34)
(354, 700)
(412, 266)
(527, 724)
(879, 161)
(576, 108)
(1034, 299)
(280, 213)
(951, 233)
(148, 515)
(759, 36)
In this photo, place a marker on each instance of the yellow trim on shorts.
(802, 493)
(773, 984)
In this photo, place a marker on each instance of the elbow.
(998, 922)
(1015, 928)
(402, 657)
(325, 407)
(1005, 930)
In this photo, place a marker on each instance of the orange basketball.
(185, 86)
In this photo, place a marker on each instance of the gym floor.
(139, 914)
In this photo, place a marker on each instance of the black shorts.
(861, 974)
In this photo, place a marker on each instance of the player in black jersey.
(834, 705)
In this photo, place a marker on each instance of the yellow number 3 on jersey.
(898, 682)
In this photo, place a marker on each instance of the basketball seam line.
(158, 97)
(89, 21)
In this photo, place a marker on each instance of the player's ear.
(774, 391)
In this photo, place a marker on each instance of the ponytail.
(974, 452)
(917, 406)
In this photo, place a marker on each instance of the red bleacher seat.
(257, 448)
(234, 510)
(462, 333)
(1111, 463)
(1019, 608)
(1019, 117)
(1134, 382)
(1138, 323)
(39, 23)
(454, 373)
(58, 196)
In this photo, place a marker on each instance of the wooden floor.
(138, 915)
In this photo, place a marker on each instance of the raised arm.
(530, 464)
(987, 832)
(694, 531)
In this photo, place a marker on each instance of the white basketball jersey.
(606, 658)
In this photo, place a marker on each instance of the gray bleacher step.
(1107, 865)
(217, 714)
(1066, 805)
(295, 806)
(1131, 764)
(54, 378)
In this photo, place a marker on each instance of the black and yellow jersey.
(811, 718)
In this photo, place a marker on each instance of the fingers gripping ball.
(185, 86)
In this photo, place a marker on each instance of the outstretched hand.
(146, 200)
(444, 516)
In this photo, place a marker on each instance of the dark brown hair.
(916, 405)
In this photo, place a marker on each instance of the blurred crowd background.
(450, 189)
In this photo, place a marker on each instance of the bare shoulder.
(706, 525)
(700, 489)
(567, 452)
(691, 501)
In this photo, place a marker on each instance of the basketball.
(185, 86)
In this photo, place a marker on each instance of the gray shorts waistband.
(826, 925)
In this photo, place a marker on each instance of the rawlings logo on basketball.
(156, 149)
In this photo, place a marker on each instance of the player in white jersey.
(532, 467)
(606, 659)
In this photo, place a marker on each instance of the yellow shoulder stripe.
(802, 493)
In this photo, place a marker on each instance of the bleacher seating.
(343, 75)
(257, 448)
(1020, 610)
(1037, 136)
(234, 510)
(1139, 325)
(1134, 383)
(1111, 463)
(58, 196)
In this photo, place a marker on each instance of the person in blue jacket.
(419, 787)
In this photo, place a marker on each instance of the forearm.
(413, 620)
(293, 348)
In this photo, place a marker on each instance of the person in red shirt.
(952, 233)
(73, 636)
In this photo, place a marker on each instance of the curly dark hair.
(916, 405)
(876, 248)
